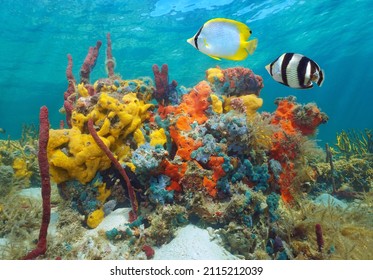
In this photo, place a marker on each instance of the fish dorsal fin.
(214, 57)
(243, 29)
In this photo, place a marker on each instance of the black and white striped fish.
(296, 71)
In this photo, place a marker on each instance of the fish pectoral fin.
(205, 44)
(315, 77)
(215, 57)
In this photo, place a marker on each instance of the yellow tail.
(250, 46)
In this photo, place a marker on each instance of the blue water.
(36, 36)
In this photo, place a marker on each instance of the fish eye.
(251, 32)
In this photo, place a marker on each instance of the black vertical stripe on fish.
(321, 78)
(315, 65)
(271, 65)
(301, 71)
(284, 65)
(196, 37)
(270, 69)
(313, 70)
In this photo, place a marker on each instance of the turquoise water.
(37, 35)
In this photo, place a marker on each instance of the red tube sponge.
(149, 251)
(110, 64)
(89, 63)
(68, 105)
(101, 144)
(319, 237)
(41, 246)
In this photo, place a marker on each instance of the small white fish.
(296, 71)
(224, 38)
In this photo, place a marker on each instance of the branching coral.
(350, 175)
(354, 143)
(6, 179)
(19, 160)
(347, 233)
(29, 135)
(19, 228)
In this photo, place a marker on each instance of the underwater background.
(118, 140)
(36, 36)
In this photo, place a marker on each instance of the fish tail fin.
(321, 78)
(250, 46)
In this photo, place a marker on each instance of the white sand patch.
(34, 193)
(116, 219)
(326, 200)
(3, 242)
(192, 243)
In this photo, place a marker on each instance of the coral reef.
(205, 155)
(205, 139)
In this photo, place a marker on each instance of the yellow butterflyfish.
(224, 38)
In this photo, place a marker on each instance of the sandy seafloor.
(190, 242)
